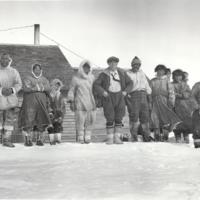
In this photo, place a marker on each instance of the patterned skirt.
(162, 115)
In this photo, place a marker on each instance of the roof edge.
(28, 45)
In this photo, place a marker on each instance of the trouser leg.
(28, 136)
(134, 130)
(157, 134)
(146, 132)
(80, 125)
(89, 124)
(165, 134)
(117, 133)
(110, 135)
(7, 138)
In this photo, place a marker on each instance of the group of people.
(43, 105)
(156, 106)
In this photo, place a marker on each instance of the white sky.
(158, 31)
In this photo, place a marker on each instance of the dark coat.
(102, 83)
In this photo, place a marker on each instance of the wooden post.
(36, 34)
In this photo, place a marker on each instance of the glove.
(7, 91)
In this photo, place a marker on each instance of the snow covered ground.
(98, 171)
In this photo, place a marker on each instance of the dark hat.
(135, 60)
(160, 67)
(112, 58)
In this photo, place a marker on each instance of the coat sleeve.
(63, 107)
(97, 86)
(17, 82)
(195, 91)
(171, 93)
(187, 92)
(128, 83)
(46, 85)
(72, 90)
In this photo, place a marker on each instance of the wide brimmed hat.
(112, 59)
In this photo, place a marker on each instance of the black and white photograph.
(100, 99)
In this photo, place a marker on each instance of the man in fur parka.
(10, 85)
(112, 85)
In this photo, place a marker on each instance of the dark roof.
(53, 62)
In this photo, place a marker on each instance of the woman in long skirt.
(164, 119)
(34, 114)
(184, 105)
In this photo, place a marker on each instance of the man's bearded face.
(5, 61)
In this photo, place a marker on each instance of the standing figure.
(10, 84)
(82, 102)
(34, 113)
(139, 101)
(57, 105)
(112, 86)
(184, 106)
(163, 117)
(196, 120)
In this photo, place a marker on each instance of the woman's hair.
(160, 67)
(36, 65)
(178, 72)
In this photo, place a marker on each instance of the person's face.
(160, 72)
(5, 60)
(198, 98)
(37, 71)
(57, 86)
(178, 79)
(86, 69)
(186, 76)
(169, 75)
(135, 67)
(113, 65)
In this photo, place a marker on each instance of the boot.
(110, 136)
(146, 132)
(165, 135)
(186, 139)
(157, 135)
(58, 138)
(7, 139)
(117, 135)
(39, 141)
(134, 131)
(87, 136)
(81, 137)
(177, 135)
(28, 139)
(51, 139)
(196, 143)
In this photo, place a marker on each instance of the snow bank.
(98, 171)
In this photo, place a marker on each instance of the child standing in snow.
(57, 105)
(81, 99)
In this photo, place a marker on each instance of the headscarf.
(82, 74)
(55, 93)
(32, 70)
